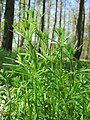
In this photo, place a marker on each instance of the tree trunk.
(29, 4)
(8, 29)
(43, 14)
(88, 46)
(50, 2)
(42, 22)
(80, 29)
(48, 24)
(64, 16)
(0, 18)
(23, 6)
(19, 37)
(60, 18)
(55, 21)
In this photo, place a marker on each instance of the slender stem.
(61, 60)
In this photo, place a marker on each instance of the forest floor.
(7, 57)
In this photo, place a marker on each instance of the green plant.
(38, 86)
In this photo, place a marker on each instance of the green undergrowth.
(37, 89)
(43, 85)
(4, 54)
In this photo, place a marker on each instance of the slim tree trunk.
(22, 39)
(8, 29)
(50, 2)
(68, 26)
(19, 37)
(88, 46)
(0, 18)
(34, 4)
(80, 29)
(55, 21)
(49, 11)
(64, 16)
(42, 22)
(29, 4)
(60, 19)
(74, 25)
(43, 14)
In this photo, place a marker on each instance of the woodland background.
(57, 13)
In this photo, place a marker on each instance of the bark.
(49, 11)
(19, 37)
(61, 3)
(43, 14)
(42, 22)
(0, 18)
(80, 29)
(88, 46)
(55, 21)
(22, 39)
(8, 29)
(64, 16)
(60, 20)
(29, 4)
(50, 2)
